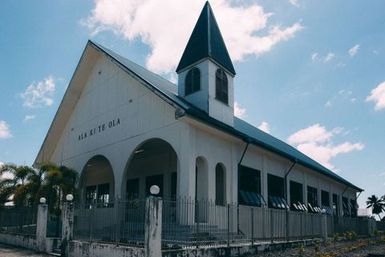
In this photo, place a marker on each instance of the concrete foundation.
(87, 249)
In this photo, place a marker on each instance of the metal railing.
(18, 220)
(188, 223)
(120, 222)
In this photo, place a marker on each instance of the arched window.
(220, 185)
(221, 86)
(192, 81)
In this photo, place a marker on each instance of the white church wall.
(113, 116)
(215, 150)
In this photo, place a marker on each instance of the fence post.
(67, 227)
(271, 226)
(252, 226)
(117, 220)
(324, 224)
(41, 227)
(228, 225)
(153, 227)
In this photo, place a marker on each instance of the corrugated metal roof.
(206, 41)
(241, 129)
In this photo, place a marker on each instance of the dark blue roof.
(206, 42)
(241, 129)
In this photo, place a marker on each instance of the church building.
(124, 129)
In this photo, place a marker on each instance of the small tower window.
(221, 86)
(192, 81)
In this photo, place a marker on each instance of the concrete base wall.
(244, 251)
(29, 242)
(25, 241)
(87, 249)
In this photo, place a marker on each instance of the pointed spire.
(206, 42)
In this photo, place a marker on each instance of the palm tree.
(58, 182)
(27, 185)
(13, 184)
(377, 205)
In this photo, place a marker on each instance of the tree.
(58, 182)
(27, 185)
(377, 205)
(12, 184)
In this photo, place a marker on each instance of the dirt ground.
(356, 248)
(10, 251)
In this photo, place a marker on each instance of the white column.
(67, 226)
(153, 227)
(186, 166)
(41, 227)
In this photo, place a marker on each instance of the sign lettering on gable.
(99, 129)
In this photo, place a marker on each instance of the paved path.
(10, 251)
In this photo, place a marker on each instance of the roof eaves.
(252, 140)
(35, 163)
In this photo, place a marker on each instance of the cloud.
(316, 57)
(5, 132)
(264, 126)
(239, 111)
(28, 118)
(165, 27)
(316, 141)
(342, 96)
(294, 2)
(40, 93)
(354, 50)
(328, 57)
(377, 95)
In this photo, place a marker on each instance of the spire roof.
(206, 42)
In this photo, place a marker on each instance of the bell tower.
(206, 72)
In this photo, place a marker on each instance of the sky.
(311, 73)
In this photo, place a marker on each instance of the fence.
(186, 222)
(121, 222)
(20, 220)
(380, 225)
(190, 223)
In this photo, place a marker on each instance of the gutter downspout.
(286, 174)
(285, 188)
(244, 152)
(342, 195)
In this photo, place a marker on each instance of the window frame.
(312, 196)
(192, 81)
(250, 193)
(221, 86)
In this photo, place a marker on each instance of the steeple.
(205, 71)
(206, 42)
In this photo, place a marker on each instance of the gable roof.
(206, 42)
(241, 128)
(168, 92)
